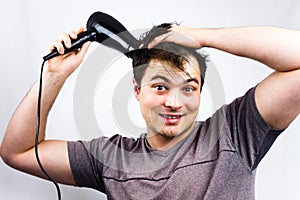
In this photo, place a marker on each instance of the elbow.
(7, 157)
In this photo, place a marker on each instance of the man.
(177, 158)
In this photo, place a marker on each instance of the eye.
(160, 87)
(189, 89)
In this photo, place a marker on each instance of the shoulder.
(116, 142)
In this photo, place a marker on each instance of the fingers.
(65, 41)
(185, 36)
(159, 39)
(66, 63)
(162, 38)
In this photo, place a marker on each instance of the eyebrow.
(192, 80)
(160, 77)
(168, 81)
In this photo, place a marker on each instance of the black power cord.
(37, 133)
(100, 27)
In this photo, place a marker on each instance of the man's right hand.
(17, 148)
(65, 64)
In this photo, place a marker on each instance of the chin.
(177, 131)
(171, 133)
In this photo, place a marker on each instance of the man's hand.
(278, 96)
(186, 36)
(65, 64)
(17, 148)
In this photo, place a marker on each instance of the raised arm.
(278, 96)
(17, 148)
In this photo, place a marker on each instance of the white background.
(28, 27)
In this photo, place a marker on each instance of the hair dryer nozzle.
(101, 21)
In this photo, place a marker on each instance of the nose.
(173, 100)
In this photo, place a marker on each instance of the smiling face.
(169, 100)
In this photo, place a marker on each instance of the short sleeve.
(85, 167)
(250, 134)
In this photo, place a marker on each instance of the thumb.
(84, 49)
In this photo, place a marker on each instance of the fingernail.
(141, 45)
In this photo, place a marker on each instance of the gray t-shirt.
(216, 161)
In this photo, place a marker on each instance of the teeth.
(171, 116)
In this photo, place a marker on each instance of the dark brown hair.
(171, 53)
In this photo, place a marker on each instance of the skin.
(17, 148)
(277, 97)
(169, 101)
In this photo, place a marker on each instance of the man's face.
(169, 98)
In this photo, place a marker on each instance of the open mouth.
(166, 116)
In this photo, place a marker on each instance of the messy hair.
(171, 53)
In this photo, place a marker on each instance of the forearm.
(20, 133)
(277, 48)
(277, 97)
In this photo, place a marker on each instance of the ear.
(136, 89)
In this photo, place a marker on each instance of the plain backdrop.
(28, 27)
